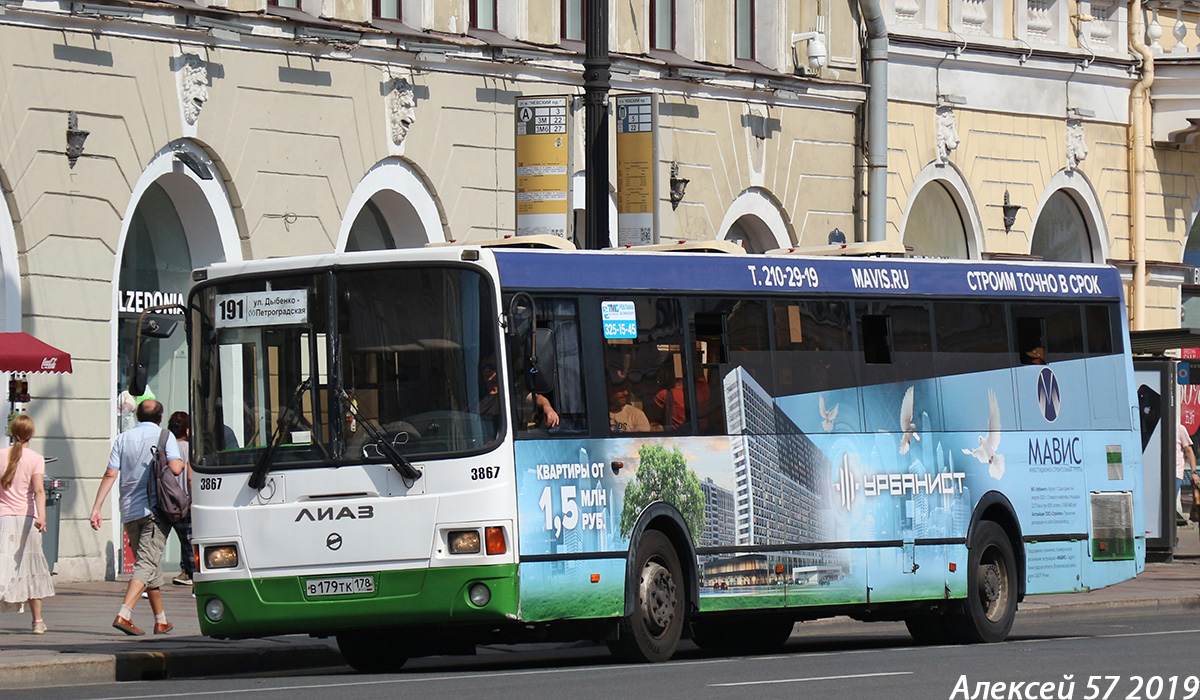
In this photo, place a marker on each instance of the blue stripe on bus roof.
(756, 273)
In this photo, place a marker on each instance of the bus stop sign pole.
(595, 100)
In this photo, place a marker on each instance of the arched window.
(1061, 233)
(387, 220)
(370, 231)
(752, 234)
(156, 269)
(935, 227)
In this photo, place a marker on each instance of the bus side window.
(814, 348)
(644, 376)
(1100, 325)
(971, 337)
(558, 334)
(726, 334)
(895, 341)
(1047, 333)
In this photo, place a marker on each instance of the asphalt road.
(1124, 655)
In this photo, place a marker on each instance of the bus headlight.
(214, 610)
(463, 541)
(479, 594)
(221, 557)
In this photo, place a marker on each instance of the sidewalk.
(81, 646)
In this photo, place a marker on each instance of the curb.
(1180, 604)
(39, 669)
(199, 663)
(47, 668)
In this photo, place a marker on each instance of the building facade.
(140, 140)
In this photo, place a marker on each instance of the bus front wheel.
(651, 632)
(991, 606)
(371, 652)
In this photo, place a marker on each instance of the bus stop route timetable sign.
(635, 170)
(543, 166)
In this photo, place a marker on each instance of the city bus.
(419, 451)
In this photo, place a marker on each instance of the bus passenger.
(624, 417)
(672, 403)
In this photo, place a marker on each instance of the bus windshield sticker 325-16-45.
(250, 309)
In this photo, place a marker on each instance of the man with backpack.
(135, 455)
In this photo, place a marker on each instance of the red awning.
(21, 352)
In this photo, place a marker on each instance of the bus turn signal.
(495, 540)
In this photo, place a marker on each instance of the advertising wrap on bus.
(804, 471)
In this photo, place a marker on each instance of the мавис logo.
(1048, 397)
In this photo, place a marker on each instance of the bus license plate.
(348, 585)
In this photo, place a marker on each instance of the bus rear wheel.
(651, 632)
(991, 606)
(371, 652)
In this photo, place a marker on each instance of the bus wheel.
(991, 606)
(747, 636)
(371, 652)
(651, 632)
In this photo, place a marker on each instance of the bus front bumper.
(259, 607)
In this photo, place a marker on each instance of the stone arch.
(10, 269)
(755, 220)
(184, 173)
(392, 207)
(181, 199)
(1079, 191)
(958, 192)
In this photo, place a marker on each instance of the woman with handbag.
(24, 574)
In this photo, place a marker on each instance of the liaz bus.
(419, 451)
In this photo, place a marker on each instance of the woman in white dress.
(24, 575)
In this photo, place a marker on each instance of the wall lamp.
(1010, 212)
(678, 186)
(817, 54)
(194, 164)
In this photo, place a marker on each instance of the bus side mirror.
(543, 366)
(138, 379)
(149, 327)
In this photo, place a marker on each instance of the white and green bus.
(419, 451)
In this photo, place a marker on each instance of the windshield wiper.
(287, 418)
(398, 461)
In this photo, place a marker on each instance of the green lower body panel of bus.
(283, 605)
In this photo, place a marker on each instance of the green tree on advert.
(663, 476)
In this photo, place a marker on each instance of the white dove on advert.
(827, 416)
(988, 444)
(906, 422)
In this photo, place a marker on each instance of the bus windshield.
(326, 366)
